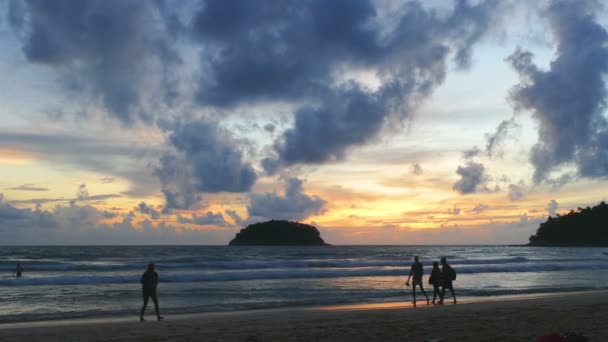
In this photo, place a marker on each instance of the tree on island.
(583, 227)
(278, 233)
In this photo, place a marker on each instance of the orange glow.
(17, 157)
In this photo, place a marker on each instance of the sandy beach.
(509, 319)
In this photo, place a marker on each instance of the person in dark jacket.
(435, 280)
(448, 275)
(149, 282)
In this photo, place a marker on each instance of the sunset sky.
(379, 122)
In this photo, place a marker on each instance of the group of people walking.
(441, 279)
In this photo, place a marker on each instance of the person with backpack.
(149, 282)
(448, 275)
(417, 272)
(435, 280)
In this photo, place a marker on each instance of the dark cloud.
(295, 51)
(293, 205)
(471, 153)
(552, 208)
(494, 140)
(569, 99)
(480, 208)
(206, 159)
(270, 166)
(208, 218)
(105, 50)
(77, 224)
(40, 200)
(146, 209)
(269, 128)
(517, 191)
(107, 180)
(28, 187)
(473, 178)
(13, 219)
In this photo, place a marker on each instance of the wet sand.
(498, 319)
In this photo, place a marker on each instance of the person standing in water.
(435, 280)
(416, 271)
(18, 270)
(149, 282)
(448, 275)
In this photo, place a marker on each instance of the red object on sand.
(555, 337)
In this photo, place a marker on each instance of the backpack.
(452, 273)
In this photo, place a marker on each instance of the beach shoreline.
(505, 318)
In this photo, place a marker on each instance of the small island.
(585, 227)
(278, 233)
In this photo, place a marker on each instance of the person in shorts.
(416, 273)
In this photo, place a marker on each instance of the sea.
(96, 281)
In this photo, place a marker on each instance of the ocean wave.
(271, 264)
(285, 274)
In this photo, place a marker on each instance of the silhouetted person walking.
(18, 270)
(435, 280)
(149, 282)
(417, 272)
(448, 275)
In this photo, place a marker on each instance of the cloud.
(454, 211)
(294, 205)
(300, 52)
(471, 153)
(552, 208)
(205, 159)
(80, 224)
(417, 169)
(40, 200)
(107, 180)
(82, 193)
(493, 232)
(105, 51)
(493, 141)
(144, 208)
(480, 208)
(473, 178)
(517, 191)
(234, 216)
(208, 218)
(269, 128)
(28, 187)
(92, 152)
(569, 99)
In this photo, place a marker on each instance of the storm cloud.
(473, 178)
(103, 50)
(293, 205)
(568, 100)
(300, 52)
(205, 159)
(208, 218)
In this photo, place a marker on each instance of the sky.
(377, 121)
